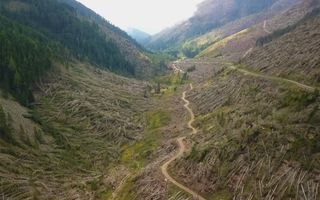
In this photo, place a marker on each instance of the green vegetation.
(160, 61)
(196, 155)
(304, 150)
(221, 195)
(168, 84)
(192, 49)
(299, 99)
(6, 130)
(24, 58)
(83, 38)
(157, 119)
(136, 155)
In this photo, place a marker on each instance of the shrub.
(6, 131)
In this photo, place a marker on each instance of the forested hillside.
(24, 57)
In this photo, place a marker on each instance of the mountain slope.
(64, 145)
(211, 14)
(193, 47)
(240, 44)
(294, 55)
(25, 57)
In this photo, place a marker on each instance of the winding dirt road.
(269, 77)
(300, 85)
(182, 150)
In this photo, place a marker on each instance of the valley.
(225, 105)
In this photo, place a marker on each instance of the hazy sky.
(147, 15)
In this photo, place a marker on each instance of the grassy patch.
(221, 195)
(136, 155)
(169, 83)
(157, 119)
(170, 79)
(298, 99)
(198, 155)
(305, 150)
(105, 195)
(220, 115)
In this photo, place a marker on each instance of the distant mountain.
(211, 14)
(138, 35)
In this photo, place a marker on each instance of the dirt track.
(181, 151)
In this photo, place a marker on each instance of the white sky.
(150, 16)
